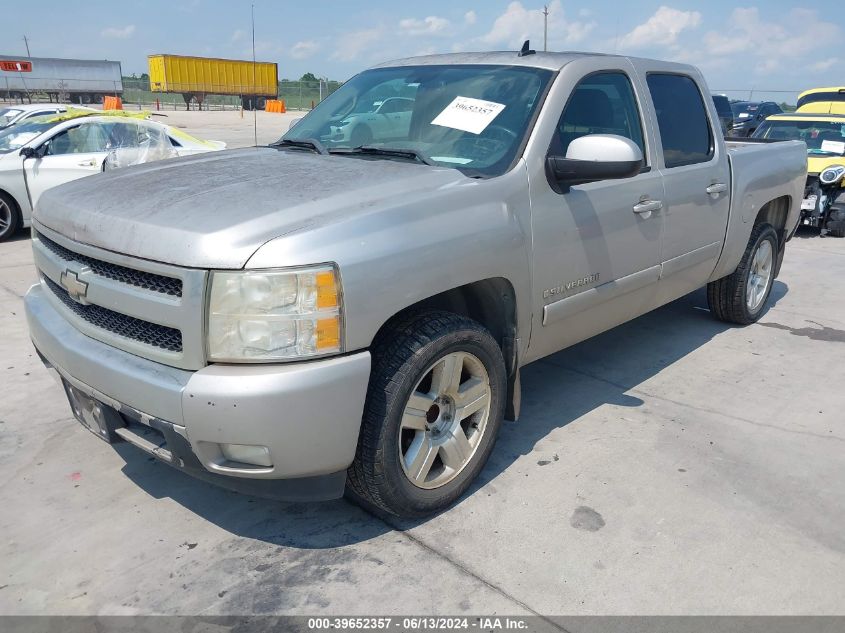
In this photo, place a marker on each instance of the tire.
(361, 135)
(835, 223)
(10, 216)
(730, 298)
(414, 358)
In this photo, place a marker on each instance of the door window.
(682, 120)
(603, 103)
(88, 137)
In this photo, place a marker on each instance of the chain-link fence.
(298, 95)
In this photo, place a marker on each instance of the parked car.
(311, 316)
(388, 120)
(15, 114)
(726, 116)
(42, 152)
(823, 100)
(823, 205)
(748, 115)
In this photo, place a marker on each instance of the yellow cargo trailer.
(195, 77)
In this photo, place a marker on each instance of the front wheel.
(10, 217)
(741, 296)
(434, 406)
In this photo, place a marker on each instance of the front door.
(70, 154)
(596, 245)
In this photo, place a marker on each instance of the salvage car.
(389, 120)
(748, 115)
(316, 316)
(726, 115)
(42, 152)
(15, 114)
(822, 100)
(823, 206)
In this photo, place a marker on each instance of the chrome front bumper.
(307, 414)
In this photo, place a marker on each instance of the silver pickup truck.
(350, 309)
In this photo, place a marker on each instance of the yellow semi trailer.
(196, 77)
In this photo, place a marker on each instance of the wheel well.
(775, 213)
(491, 302)
(12, 198)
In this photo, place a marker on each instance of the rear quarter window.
(682, 119)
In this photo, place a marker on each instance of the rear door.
(696, 179)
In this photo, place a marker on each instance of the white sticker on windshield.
(837, 147)
(468, 114)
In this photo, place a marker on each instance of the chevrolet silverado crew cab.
(329, 313)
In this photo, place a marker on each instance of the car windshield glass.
(822, 138)
(744, 109)
(19, 135)
(7, 115)
(472, 118)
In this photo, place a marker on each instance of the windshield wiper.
(305, 143)
(400, 152)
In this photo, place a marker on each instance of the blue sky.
(774, 45)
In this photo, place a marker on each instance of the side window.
(88, 137)
(603, 103)
(682, 119)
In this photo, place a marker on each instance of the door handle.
(647, 206)
(87, 163)
(716, 188)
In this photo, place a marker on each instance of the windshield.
(7, 115)
(472, 118)
(19, 135)
(744, 109)
(822, 138)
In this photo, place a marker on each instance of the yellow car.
(823, 100)
(824, 134)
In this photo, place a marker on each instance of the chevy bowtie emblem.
(75, 288)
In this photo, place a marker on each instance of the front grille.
(160, 336)
(138, 278)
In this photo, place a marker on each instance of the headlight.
(272, 315)
(831, 174)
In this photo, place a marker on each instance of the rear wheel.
(741, 296)
(10, 217)
(434, 406)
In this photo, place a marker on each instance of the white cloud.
(431, 25)
(349, 46)
(237, 36)
(118, 33)
(470, 17)
(661, 29)
(518, 24)
(302, 50)
(799, 33)
(825, 65)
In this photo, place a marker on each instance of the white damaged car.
(43, 152)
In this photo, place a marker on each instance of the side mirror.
(29, 152)
(595, 157)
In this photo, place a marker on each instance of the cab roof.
(536, 59)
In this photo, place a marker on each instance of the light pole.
(545, 27)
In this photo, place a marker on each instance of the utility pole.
(545, 27)
(26, 41)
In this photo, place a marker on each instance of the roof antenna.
(526, 49)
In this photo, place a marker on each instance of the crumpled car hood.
(215, 210)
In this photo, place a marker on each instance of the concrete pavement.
(674, 465)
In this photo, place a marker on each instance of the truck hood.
(215, 210)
